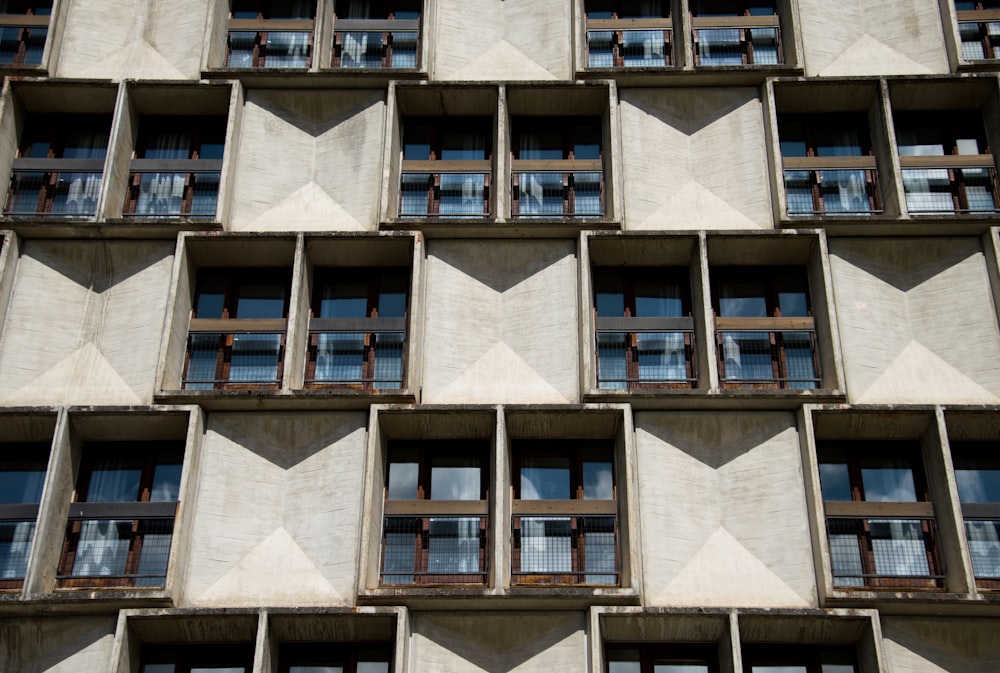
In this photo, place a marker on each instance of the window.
(977, 471)
(645, 332)
(357, 328)
(879, 518)
(213, 658)
(24, 25)
(557, 167)
(946, 162)
(979, 28)
(270, 33)
(236, 338)
(628, 33)
(122, 517)
(799, 659)
(59, 165)
(22, 473)
(829, 167)
(446, 167)
(565, 513)
(435, 527)
(334, 658)
(661, 658)
(764, 328)
(376, 33)
(176, 167)
(735, 32)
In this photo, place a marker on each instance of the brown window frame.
(187, 656)
(983, 14)
(22, 453)
(740, 19)
(654, 653)
(26, 21)
(263, 24)
(383, 20)
(622, 21)
(812, 657)
(984, 455)
(345, 655)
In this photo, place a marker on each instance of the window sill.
(89, 227)
(458, 597)
(964, 224)
(323, 398)
(288, 78)
(701, 74)
(715, 398)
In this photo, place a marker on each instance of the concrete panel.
(56, 644)
(89, 316)
(278, 498)
(501, 322)
(502, 40)
(695, 159)
(724, 512)
(917, 321)
(309, 161)
(122, 39)
(941, 645)
(553, 642)
(872, 37)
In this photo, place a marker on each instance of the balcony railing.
(979, 31)
(736, 40)
(17, 530)
(445, 189)
(831, 186)
(22, 38)
(173, 188)
(629, 43)
(55, 187)
(434, 542)
(556, 543)
(376, 43)
(982, 530)
(248, 355)
(269, 43)
(637, 353)
(117, 545)
(557, 188)
(883, 545)
(367, 353)
(953, 184)
(758, 353)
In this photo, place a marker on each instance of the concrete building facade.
(616, 336)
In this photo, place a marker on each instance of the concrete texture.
(937, 645)
(56, 644)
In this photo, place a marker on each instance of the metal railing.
(553, 549)
(444, 189)
(831, 186)
(951, 184)
(22, 38)
(54, 193)
(887, 551)
(753, 356)
(431, 549)
(979, 31)
(249, 355)
(366, 353)
(629, 43)
(275, 44)
(16, 535)
(173, 188)
(983, 536)
(640, 353)
(736, 40)
(376, 43)
(544, 189)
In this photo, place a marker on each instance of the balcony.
(831, 185)
(629, 43)
(459, 188)
(173, 188)
(736, 40)
(557, 188)
(434, 542)
(365, 353)
(563, 546)
(376, 43)
(645, 353)
(953, 184)
(221, 358)
(54, 187)
(759, 356)
(269, 43)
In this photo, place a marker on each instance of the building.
(495, 335)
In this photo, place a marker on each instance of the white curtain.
(102, 549)
(546, 545)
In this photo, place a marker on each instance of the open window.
(629, 33)
(564, 523)
(436, 513)
(22, 473)
(377, 34)
(121, 519)
(270, 33)
(24, 27)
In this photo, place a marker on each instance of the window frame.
(188, 656)
(984, 455)
(621, 22)
(387, 25)
(26, 22)
(653, 653)
(22, 512)
(343, 654)
(262, 25)
(808, 656)
(741, 20)
(981, 16)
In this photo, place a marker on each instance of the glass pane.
(455, 478)
(261, 300)
(546, 545)
(984, 547)
(800, 366)
(599, 47)
(160, 193)
(392, 296)
(453, 545)
(609, 297)
(344, 300)
(599, 544)
(388, 360)
(76, 194)
(977, 484)
(166, 482)
(844, 191)
(598, 480)
(210, 301)
(462, 194)
(21, 478)
(287, 49)
(545, 478)
(102, 548)
(845, 552)
(241, 45)
(203, 353)
(540, 193)
(399, 556)
(255, 358)
(742, 299)
(720, 46)
(155, 553)
(888, 481)
(113, 479)
(403, 478)
(747, 356)
(658, 299)
(662, 356)
(928, 190)
(611, 364)
(15, 545)
(898, 546)
(587, 193)
(680, 668)
(834, 481)
(643, 48)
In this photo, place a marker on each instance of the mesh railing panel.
(831, 192)
(219, 359)
(737, 46)
(175, 194)
(15, 545)
(942, 190)
(282, 49)
(979, 39)
(866, 552)
(362, 49)
(984, 547)
(373, 359)
(433, 550)
(785, 359)
(107, 548)
(628, 48)
(627, 359)
(40, 193)
(554, 194)
(565, 550)
(459, 194)
(22, 45)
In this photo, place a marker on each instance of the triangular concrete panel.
(499, 376)
(308, 208)
(918, 375)
(84, 377)
(502, 61)
(275, 571)
(696, 207)
(868, 56)
(138, 60)
(724, 568)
